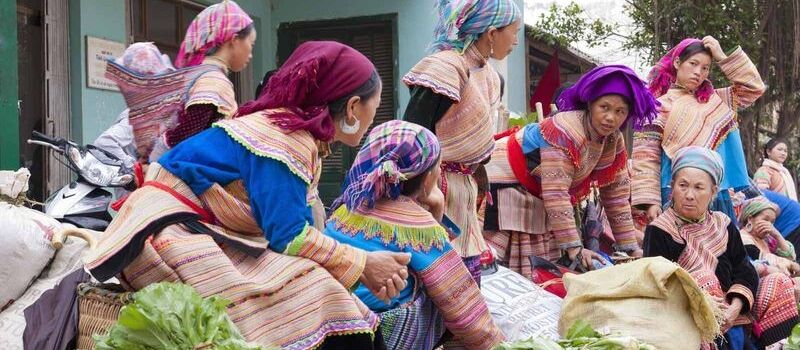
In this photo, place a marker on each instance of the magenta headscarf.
(612, 79)
(316, 74)
(213, 27)
(664, 74)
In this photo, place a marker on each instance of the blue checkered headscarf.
(393, 152)
(461, 22)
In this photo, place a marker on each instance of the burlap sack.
(652, 299)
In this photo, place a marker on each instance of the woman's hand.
(435, 202)
(710, 43)
(730, 313)
(586, 256)
(653, 212)
(385, 274)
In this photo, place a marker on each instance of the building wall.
(94, 110)
(416, 20)
(9, 115)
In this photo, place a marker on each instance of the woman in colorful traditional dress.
(772, 175)
(693, 113)
(709, 246)
(763, 242)
(383, 208)
(456, 94)
(227, 211)
(540, 172)
(167, 109)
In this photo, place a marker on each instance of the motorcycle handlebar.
(37, 136)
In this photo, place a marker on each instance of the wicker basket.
(98, 310)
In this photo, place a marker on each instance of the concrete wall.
(415, 23)
(94, 110)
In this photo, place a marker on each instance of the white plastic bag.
(25, 236)
(520, 308)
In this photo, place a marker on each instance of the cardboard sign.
(98, 51)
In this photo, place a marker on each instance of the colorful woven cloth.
(393, 152)
(755, 206)
(213, 27)
(145, 59)
(156, 101)
(701, 158)
(664, 74)
(461, 22)
(607, 80)
(316, 74)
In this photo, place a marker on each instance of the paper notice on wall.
(520, 308)
(98, 51)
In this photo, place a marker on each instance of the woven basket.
(98, 310)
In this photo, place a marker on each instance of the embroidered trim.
(421, 238)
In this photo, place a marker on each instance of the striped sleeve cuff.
(343, 262)
(745, 293)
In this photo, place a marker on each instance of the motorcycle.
(84, 202)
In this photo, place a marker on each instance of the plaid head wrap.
(461, 22)
(393, 152)
(700, 158)
(216, 25)
(607, 80)
(755, 206)
(145, 59)
(664, 74)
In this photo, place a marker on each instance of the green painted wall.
(94, 110)
(9, 115)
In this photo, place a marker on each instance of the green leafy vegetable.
(173, 316)
(581, 336)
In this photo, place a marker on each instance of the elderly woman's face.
(608, 113)
(692, 191)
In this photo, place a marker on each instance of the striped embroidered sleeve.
(456, 295)
(762, 178)
(344, 262)
(557, 173)
(615, 198)
(646, 183)
(747, 84)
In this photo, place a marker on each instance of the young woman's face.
(692, 191)
(693, 71)
(767, 215)
(608, 113)
(241, 51)
(778, 153)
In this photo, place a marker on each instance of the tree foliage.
(563, 26)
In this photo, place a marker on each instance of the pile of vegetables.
(173, 316)
(581, 336)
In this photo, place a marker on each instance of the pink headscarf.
(664, 74)
(213, 27)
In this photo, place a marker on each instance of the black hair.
(772, 144)
(240, 34)
(412, 185)
(691, 50)
(264, 80)
(365, 91)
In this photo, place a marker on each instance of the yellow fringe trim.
(418, 238)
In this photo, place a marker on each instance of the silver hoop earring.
(347, 128)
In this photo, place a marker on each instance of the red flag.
(547, 87)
